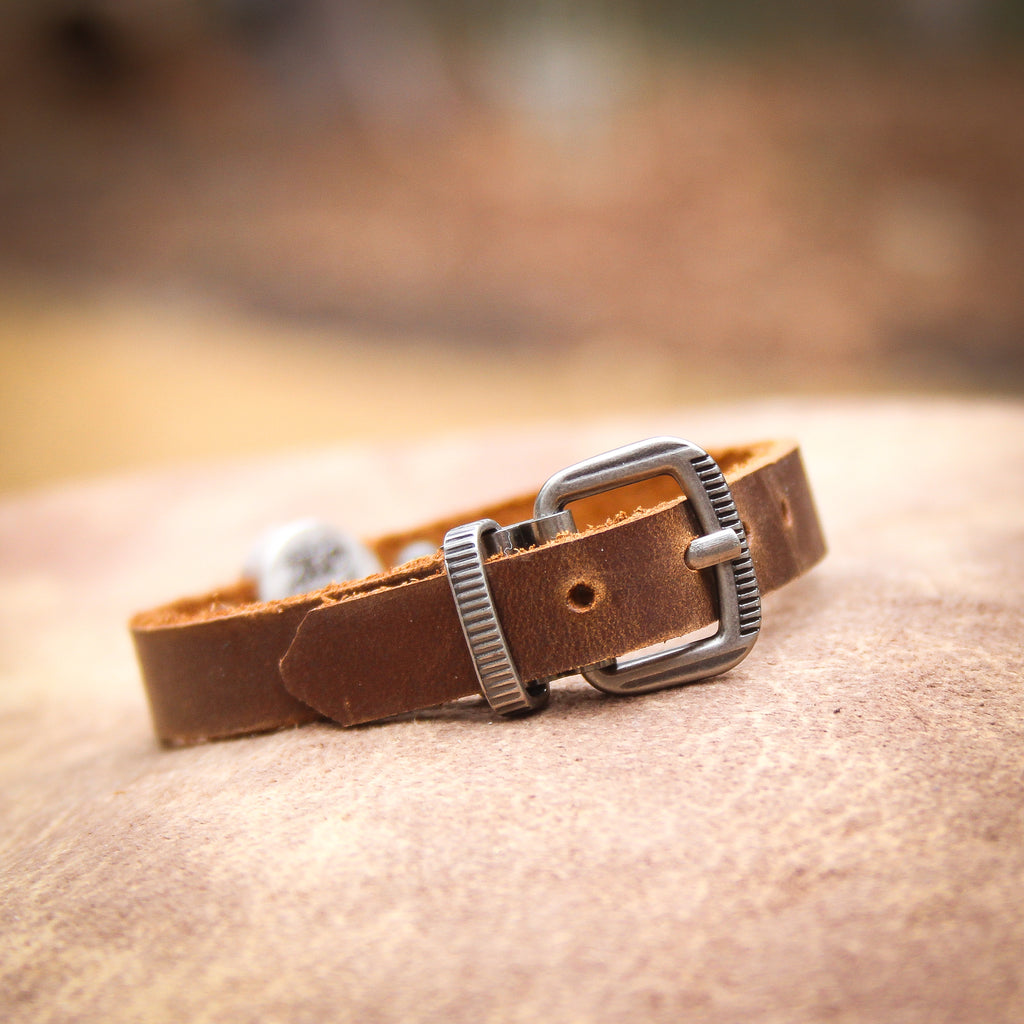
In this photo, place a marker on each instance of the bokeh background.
(235, 226)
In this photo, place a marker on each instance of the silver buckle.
(722, 547)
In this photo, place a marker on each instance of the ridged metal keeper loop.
(464, 557)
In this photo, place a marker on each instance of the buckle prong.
(713, 549)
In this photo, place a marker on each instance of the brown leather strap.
(225, 664)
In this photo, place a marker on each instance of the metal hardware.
(530, 533)
(464, 556)
(713, 549)
(739, 602)
(722, 549)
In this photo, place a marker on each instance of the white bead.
(305, 555)
(415, 549)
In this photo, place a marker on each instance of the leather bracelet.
(651, 542)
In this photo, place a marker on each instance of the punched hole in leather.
(225, 664)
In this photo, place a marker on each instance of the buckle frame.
(739, 602)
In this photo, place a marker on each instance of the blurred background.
(235, 226)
